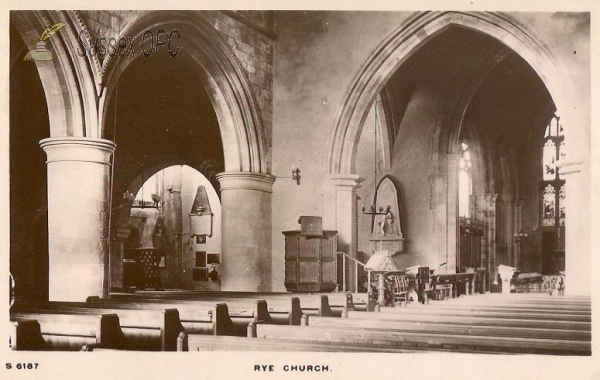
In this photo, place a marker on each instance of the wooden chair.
(400, 288)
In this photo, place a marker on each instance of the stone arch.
(402, 43)
(222, 76)
(69, 87)
(121, 209)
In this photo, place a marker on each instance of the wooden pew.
(503, 307)
(364, 301)
(582, 298)
(197, 342)
(64, 332)
(493, 313)
(311, 304)
(473, 320)
(338, 302)
(197, 315)
(279, 310)
(550, 302)
(408, 339)
(453, 328)
(143, 329)
(539, 297)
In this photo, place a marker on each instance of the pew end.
(26, 335)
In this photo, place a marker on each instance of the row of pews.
(152, 321)
(338, 322)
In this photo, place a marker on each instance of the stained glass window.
(553, 186)
(549, 160)
(549, 206)
(561, 202)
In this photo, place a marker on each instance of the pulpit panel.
(290, 272)
(308, 271)
(310, 261)
(309, 247)
(329, 272)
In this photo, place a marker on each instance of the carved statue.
(386, 223)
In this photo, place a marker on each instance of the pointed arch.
(222, 77)
(404, 42)
(67, 79)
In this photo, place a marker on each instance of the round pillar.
(342, 217)
(78, 206)
(246, 231)
(578, 275)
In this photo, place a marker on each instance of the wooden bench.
(279, 310)
(532, 298)
(508, 301)
(483, 313)
(340, 302)
(453, 328)
(143, 329)
(64, 332)
(364, 301)
(197, 342)
(197, 315)
(473, 320)
(311, 304)
(433, 340)
(502, 307)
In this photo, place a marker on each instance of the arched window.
(553, 186)
(465, 185)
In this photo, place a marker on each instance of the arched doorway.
(437, 82)
(168, 121)
(219, 123)
(176, 215)
(81, 91)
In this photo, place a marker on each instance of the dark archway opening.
(163, 117)
(460, 85)
(29, 123)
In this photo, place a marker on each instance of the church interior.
(325, 180)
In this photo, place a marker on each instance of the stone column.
(452, 211)
(246, 231)
(438, 195)
(511, 224)
(577, 230)
(488, 248)
(342, 216)
(173, 214)
(580, 211)
(78, 206)
(515, 256)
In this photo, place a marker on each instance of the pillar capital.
(246, 181)
(490, 199)
(80, 149)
